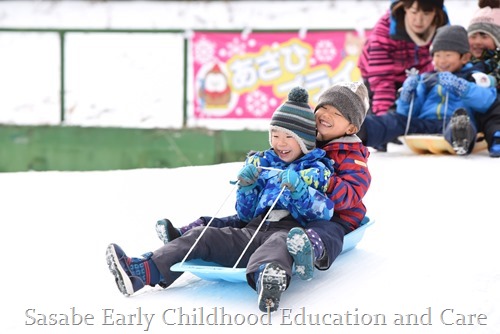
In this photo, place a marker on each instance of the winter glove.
(454, 84)
(294, 182)
(484, 80)
(429, 80)
(409, 88)
(248, 175)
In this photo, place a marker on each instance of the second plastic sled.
(214, 272)
(436, 144)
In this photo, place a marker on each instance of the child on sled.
(443, 101)
(339, 114)
(484, 40)
(280, 200)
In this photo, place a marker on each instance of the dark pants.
(229, 221)
(489, 123)
(332, 234)
(225, 245)
(380, 130)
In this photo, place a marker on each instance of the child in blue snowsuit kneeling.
(278, 190)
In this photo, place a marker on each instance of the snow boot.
(495, 145)
(463, 136)
(271, 283)
(300, 248)
(381, 148)
(305, 247)
(166, 230)
(131, 274)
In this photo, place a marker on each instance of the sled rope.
(409, 114)
(209, 223)
(235, 183)
(258, 228)
(445, 111)
(412, 71)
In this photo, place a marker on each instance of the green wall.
(44, 148)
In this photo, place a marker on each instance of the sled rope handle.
(217, 213)
(258, 228)
(208, 224)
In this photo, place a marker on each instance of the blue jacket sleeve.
(405, 108)
(479, 99)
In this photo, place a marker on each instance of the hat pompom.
(489, 3)
(299, 95)
(296, 118)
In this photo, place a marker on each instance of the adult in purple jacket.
(399, 41)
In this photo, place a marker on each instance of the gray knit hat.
(350, 98)
(296, 118)
(486, 20)
(451, 38)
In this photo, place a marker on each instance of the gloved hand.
(430, 80)
(484, 80)
(454, 84)
(248, 175)
(409, 88)
(294, 182)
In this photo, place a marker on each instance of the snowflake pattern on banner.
(235, 47)
(204, 51)
(257, 103)
(325, 51)
(246, 76)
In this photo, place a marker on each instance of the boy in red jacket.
(340, 111)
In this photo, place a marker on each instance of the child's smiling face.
(449, 61)
(479, 41)
(285, 145)
(331, 124)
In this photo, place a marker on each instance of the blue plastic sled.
(214, 272)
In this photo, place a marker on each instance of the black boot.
(462, 132)
(166, 230)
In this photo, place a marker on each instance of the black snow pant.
(489, 122)
(379, 130)
(225, 245)
(331, 233)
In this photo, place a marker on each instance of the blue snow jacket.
(314, 168)
(434, 102)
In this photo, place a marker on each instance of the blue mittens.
(247, 176)
(454, 84)
(409, 88)
(294, 182)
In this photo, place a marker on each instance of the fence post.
(62, 44)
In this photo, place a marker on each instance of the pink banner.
(246, 76)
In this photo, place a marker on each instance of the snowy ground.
(432, 251)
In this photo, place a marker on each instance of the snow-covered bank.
(432, 251)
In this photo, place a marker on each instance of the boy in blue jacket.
(443, 101)
(284, 185)
(339, 113)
